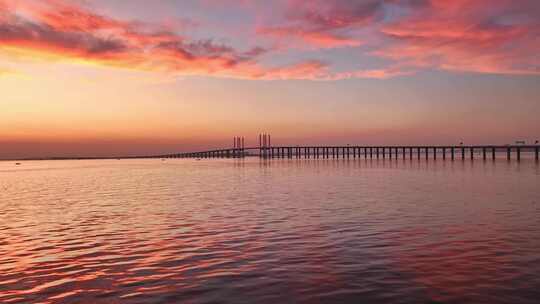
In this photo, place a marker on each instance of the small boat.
(198, 159)
(17, 164)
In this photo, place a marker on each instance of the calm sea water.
(285, 231)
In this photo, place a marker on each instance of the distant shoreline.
(70, 158)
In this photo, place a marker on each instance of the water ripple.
(222, 231)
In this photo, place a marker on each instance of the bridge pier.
(347, 152)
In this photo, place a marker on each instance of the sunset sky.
(112, 77)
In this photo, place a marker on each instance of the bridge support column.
(462, 153)
(472, 153)
(536, 153)
(435, 153)
(444, 153)
(493, 153)
(518, 153)
(508, 153)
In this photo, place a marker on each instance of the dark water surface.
(285, 231)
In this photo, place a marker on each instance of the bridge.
(268, 151)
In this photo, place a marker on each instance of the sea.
(270, 231)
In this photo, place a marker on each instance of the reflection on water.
(251, 231)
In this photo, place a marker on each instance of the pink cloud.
(476, 36)
(67, 31)
(495, 36)
(312, 38)
(323, 24)
(498, 36)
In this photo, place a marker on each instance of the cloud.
(482, 36)
(383, 73)
(495, 36)
(332, 15)
(44, 37)
(312, 38)
(498, 37)
(64, 31)
(324, 24)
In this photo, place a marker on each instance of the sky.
(114, 78)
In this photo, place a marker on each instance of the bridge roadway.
(367, 152)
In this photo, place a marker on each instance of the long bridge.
(268, 151)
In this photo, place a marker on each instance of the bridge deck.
(406, 151)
